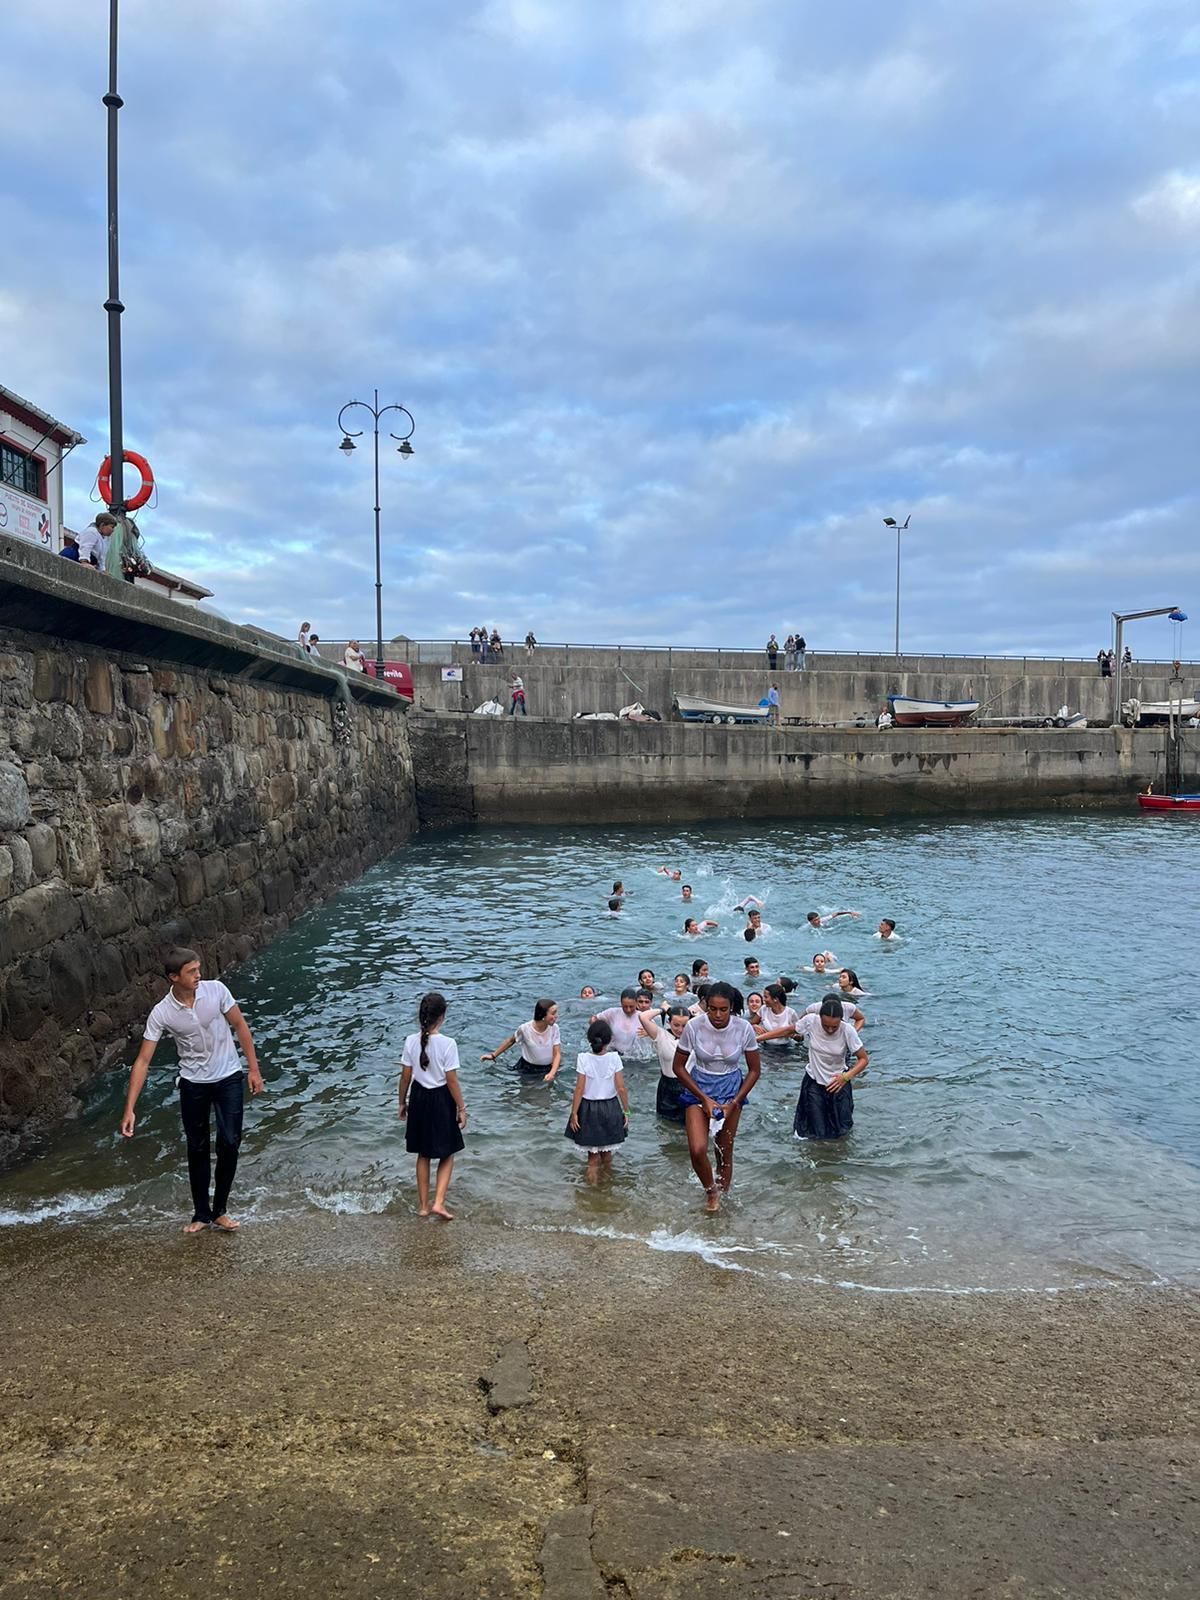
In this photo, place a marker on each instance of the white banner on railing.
(27, 518)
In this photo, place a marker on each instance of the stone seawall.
(512, 770)
(188, 785)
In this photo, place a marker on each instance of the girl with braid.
(431, 1104)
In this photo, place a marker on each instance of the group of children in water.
(701, 1036)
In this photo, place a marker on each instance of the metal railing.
(448, 652)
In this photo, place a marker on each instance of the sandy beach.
(377, 1406)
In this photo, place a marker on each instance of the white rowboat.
(910, 713)
(693, 710)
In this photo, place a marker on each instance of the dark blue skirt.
(821, 1115)
(431, 1128)
(601, 1125)
(669, 1100)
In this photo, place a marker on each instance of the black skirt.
(601, 1125)
(667, 1102)
(821, 1115)
(531, 1067)
(431, 1128)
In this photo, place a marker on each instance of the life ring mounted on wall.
(135, 502)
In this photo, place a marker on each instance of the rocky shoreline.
(364, 1406)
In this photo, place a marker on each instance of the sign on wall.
(26, 517)
(452, 674)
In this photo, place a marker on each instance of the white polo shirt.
(202, 1037)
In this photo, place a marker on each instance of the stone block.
(109, 974)
(112, 823)
(27, 999)
(242, 862)
(71, 970)
(252, 904)
(216, 873)
(183, 741)
(98, 687)
(79, 852)
(107, 911)
(66, 733)
(174, 834)
(136, 688)
(121, 739)
(43, 846)
(14, 798)
(145, 837)
(6, 872)
(189, 876)
(231, 910)
(165, 680)
(161, 717)
(22, 859)
(41, 915)
(55, 677)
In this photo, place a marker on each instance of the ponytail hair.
(599, 1036)
(541, 1009)
(776, 991)
(429, 1013)
(831, 1006)
(726, 991)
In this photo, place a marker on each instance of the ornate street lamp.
(405, 449)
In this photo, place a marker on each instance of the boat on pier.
(910, 713)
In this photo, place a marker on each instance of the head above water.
(599, 1036)
(682, 983)
(848, 979)
(750, 934)
(754, 1001)
(629, 1001)
(614, 904)
(831, 1013)
(699, 968)
(751, 965)
(646, 978)
(587, 992)
(543, 1009)
(724, 1001)
(690, 925)
(887, 927)
(686, 891)
(777, 993)
(678, 1018)
(755, 918)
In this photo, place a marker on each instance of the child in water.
(431, 1104)
(599, 1119)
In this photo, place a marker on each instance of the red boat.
(1169, 802)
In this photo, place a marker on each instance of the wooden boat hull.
(692, 709)
(910, 713)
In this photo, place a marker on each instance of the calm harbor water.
(1031, 1116)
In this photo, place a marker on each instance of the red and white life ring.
(135, 502)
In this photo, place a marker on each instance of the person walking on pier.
(773, 705)
(198, 1015)
(516, 689)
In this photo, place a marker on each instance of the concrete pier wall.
(165, 778)
(608, 680)
(510, 770)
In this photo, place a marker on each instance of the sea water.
(1030, 1117)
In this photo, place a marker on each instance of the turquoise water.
(1031, 1116)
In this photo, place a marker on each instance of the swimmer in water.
(699, 969)
(816, 923)
(822, 960)
(693, 928)
(670, 872)
(850, 1011)
(646, 980)
(624, 1021)
(849, 985)
(751, 965)
(587, 992)
(686, 892)
(617, 891)
(887, 930)
(614, 907)
(708, 1064)
(681, 984)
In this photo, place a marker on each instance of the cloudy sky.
(684, 296)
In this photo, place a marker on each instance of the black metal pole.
(378, 571)
(113, 306)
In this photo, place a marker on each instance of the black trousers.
(196, 1102)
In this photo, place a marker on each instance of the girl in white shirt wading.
(669, 1099)
(599, 1119)
(540, 1041)
(825, 1109)
(431, 1104)
(714, 1089)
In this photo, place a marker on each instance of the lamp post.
(1120, 618)
(900, 527)
(405, 449)
(116, 432)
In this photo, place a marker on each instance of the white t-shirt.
(665, 1046)
(624, 1029)
(848, 1009)
(353, 659)
(93, 543)
(786, 1018)
(442, 1054)
(716, 1051)
(827, 1051)
(598, 1074)
(202, 1037)
(536, 1047)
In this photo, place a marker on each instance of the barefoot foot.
(196, 1227)
(225, 1223)
(440, 1211)
(423, 1211)
(712, 1200)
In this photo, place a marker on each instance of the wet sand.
(376, 1406)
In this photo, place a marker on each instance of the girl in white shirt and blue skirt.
(431, 1104)
(714, 1087)
(599, 1119)
(825, 1109)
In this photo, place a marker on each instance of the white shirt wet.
(537, 1047)
(827, 1051)
(624, 1029)
(202, 1036)
(848, 1009)
(717, 1051)
(440, 1053)
(665, 1046)
(771, 1020)
(598, 1074)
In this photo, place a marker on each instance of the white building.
(32, 448)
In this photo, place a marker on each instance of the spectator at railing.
(496, 645)
(353, 658)
(772, 653)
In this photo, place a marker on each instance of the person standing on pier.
(772, 653)
(198, 1016)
